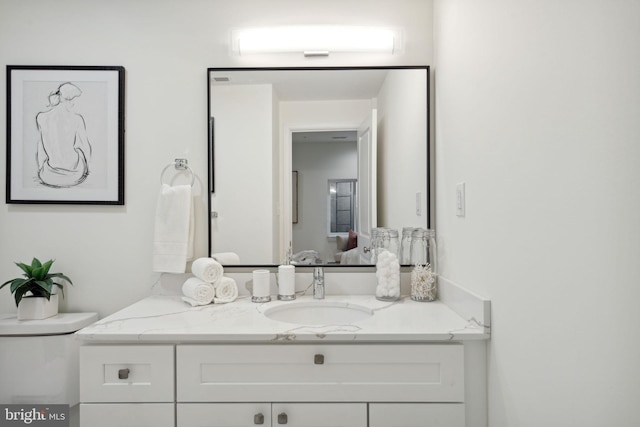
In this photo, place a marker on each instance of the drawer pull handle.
(318, 359)
(282, 418)
(123, 374)
(258, 419)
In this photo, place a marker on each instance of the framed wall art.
(65, 135)
(294, 197)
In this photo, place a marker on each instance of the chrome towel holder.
(180, 165)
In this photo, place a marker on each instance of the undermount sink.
(319, 313)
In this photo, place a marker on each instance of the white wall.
(166, 47)
(243, 164)
(402, 152)
(537, 107)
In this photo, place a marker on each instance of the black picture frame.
(65, 135)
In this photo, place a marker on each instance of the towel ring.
(179, 164)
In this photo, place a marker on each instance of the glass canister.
(376, 243)
(423, 247)
(405, 245)
(387, 276)
(423, 257)
(423, 283)
(390, 241)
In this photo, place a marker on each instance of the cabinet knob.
(318, 359)
(366, 249)
(282, 418)
(258, 419)
(123, 374)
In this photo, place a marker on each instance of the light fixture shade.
(314, 39)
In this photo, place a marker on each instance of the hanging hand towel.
(197, 292)
(172, 229)
(207, 269)
(226, 290)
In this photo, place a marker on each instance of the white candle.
(261, 283)
(287, 280)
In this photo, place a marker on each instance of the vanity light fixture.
(315, 40)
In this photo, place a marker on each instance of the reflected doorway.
(322, 158)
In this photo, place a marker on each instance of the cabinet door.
(127, 415)
(223, 414)
(416, 415)
(319, 414)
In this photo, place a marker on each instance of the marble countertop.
(62, 323)
(167, 319)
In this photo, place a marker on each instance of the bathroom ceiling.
(311, 85)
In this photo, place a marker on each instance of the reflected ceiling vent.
(221, 79)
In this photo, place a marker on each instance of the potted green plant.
(35, 293)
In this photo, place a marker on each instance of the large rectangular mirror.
(305, 162)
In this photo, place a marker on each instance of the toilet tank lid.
(62, 323)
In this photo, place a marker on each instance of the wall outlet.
(460, 202)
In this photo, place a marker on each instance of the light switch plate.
(418, 203)
(460, 199)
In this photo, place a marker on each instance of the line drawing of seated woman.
(64, 151)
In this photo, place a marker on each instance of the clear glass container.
(423, 257)
(424, 286)
(390, 241)
(387, 276)
(423, 247)
(376, 243)
(405, 246)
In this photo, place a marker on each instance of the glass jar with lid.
(423, 247)
(390, 240)
(423, 257)
(405, 245)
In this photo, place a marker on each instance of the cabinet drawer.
(126, 374)
(416, 414)
(321, 373)
(223, 414)
(127, 415)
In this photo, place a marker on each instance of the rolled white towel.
(226, 258)
(197, 292)
(226, 290)
(207, 269)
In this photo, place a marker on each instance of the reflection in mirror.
(357, 139)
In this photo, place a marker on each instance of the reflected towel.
(197, 292)
(172, 230)
(207, 269)
(226, 258)
(226, 290)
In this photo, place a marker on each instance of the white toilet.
(39, 360)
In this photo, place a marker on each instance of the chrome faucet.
(318, 283)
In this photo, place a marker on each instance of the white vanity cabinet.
(275, 414)
(342, 381)
(320, 414)
(298, 385)
(159, 363)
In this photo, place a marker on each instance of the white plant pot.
(36, 308)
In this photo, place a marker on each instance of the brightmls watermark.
(34, 415)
